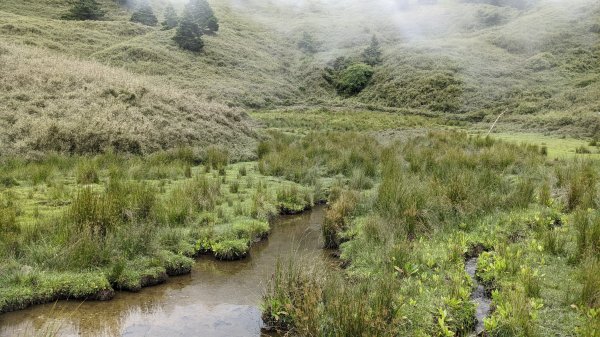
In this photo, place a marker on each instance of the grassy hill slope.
(50, 102)
(469, 61)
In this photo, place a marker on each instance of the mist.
(395, 20)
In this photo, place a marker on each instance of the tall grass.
(336, 218)
(590, 279)
(452, 178)
(306, 159)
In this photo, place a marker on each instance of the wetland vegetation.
(455, 145)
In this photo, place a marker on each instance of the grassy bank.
(435, 200)
(81, 227)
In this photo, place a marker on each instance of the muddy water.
(216, 299)
(479, 296)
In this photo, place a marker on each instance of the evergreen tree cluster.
(201, 13)
(198, 19)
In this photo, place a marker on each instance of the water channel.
(216, 299)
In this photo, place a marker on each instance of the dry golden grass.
(49, 102)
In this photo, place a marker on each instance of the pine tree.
(213, 24)
(203, 15)
(171, 18)
(144, 15)
(372, 55)
(189, 35)
(85, 10)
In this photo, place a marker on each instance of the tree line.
(197, 19)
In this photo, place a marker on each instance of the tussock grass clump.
(306, 159)
(293, 199)
(555, 241)
(92, 213)
(580, 181)
(293, 292)
(590, 280)
(336, 219)
(217, 157)
(87, 173)
(8, 216)
(199, 194)
(587, 226)
(263, 207)
(231, 249)
(234, 187)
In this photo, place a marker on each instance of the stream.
(478, 296)
(216, 299)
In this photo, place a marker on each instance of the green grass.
(535, 64)
(406, 239)
(558, 147)
(126, 225)
(121, 160)
(315, 120)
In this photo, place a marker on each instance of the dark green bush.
(354, 79)
(189, 35)
(85, 10)
(171, 19)
(144, 15)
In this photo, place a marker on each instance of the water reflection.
(216, 299)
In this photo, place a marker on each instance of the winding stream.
(216, 299)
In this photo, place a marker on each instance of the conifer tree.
(171, 18)
(144, 15)
(85, 10)
(372, 55)
(189, 34)
(213, 24)
(203, 15)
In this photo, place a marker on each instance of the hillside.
(462, 60)
(53, 103)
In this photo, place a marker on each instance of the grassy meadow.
(82, 227)
(405, 230)
(123, 158)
